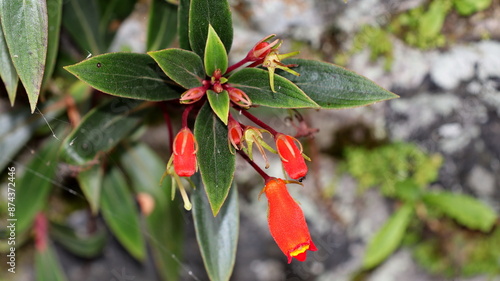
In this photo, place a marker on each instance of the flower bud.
(291, 156)
(239, 97)
(193, 95)
(185, 147)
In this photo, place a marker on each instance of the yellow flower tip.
(300, 250)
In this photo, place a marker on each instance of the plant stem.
(236, 65)
(259, 122)
(255, 166)
(185, 115)
(168, 122)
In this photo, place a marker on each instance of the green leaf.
(466, 210)
(47, 266)
(24, 26)
(215, 53)
(183, 24)
(215, 160)
(184, 67)
(217, 236)
(54, 9)
(8, 72)
(388, 238)
(121, 214)
(332, 86)
(100, 130)
(255, 83)
(128, 75)
(34, 186)
(220, 104)
(90, 181)
(81, 19)
(203, 13)
(86, 247)
(467, 7)
(165, 223)
(162, 25)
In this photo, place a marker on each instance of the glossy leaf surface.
(34, 186)
(388, 238)
(121, 214)
(217, 236)
(162, 25)
(466, 210)
(203, 13)
(215, 53)
(100, 130)
(255, 83)
(54, 9)
(81, 19)
(8, 72)
(184, 67)
(24, 25)
(215, 160)
(220, 104)
(47, 265)
(127, 75)
(165, 223)
(332, 86)
(90, 181)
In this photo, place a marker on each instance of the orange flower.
(193, 95)
(286, 221)
(291, 155)
(185, 153)
(239, 97)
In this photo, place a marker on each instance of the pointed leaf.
(388, 238)
(332, 86)
(86, 247)
(100, 130)
(54, 9)
(121, 214)
(184, 67)
(255, 83)
(165, 223)
(215, 160)
(47, 266)
(127, 75)
(215, 53)
(217, 236)
(162, 25)
(24, 25)
(90, 181)
(81, 19)
(220, 104)
(183, 24)
(466, 210)
(203, 13)
(8, 72)
(35, 184)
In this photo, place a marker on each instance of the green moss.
(389, 165)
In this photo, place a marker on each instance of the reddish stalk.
(236, 65)
(259, 122)
(255, 166)
(185, 115)
(168, 122)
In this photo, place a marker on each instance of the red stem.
(185, 115)
(236, 65)
(168, 122)
(259, 122)
(255, 166)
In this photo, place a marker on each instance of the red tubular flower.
(291, 156)
(261, 49)
(185, 153)
(286, 221)
(235, 132)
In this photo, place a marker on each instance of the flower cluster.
(286, 219)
